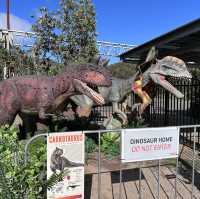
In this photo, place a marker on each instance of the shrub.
(16, 178)
(110, 144)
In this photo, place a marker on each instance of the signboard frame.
(69, 147)
(136, 132)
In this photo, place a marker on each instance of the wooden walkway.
(110, 185)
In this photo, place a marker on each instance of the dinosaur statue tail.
(74, 164)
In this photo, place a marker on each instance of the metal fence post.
(158, 190)
(140, 176)
(176, 179)
(120, 170)
(120, 181)
(99, 166)
(193, 160)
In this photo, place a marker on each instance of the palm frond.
(55, 178)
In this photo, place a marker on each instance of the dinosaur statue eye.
(168, 67)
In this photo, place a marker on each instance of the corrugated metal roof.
(183, 42)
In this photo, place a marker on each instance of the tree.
(123, 70)
(17, 61)
(67, 34)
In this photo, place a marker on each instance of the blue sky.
(128, 21)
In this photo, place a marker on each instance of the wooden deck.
(110, 185)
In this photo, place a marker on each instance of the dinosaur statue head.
(167, 68)
(88, 77)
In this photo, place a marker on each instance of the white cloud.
(16, 23)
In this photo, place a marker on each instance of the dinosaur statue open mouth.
(168, 82)
(90, 90)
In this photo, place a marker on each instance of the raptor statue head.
(169, 68)
(88, 77)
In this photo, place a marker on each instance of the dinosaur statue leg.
(83, 111)
(125, 105)
(42, 114)
(84, 105)
(9, 103)
(111, 122)
(121, 114)
(44, 107)
(45, 103)
(7, 117)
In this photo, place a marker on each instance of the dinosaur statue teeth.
(172, 89)
(94, 95)
(97, 97)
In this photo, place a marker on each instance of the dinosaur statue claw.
(123, 117)
(112, 123)
(83, 111)
(69, 115)
(43, 115)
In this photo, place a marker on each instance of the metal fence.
(100, 113)
(166, 109)
(100, 192)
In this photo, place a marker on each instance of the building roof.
(183, 42)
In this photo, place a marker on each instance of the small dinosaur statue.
(140, 83)
(45, 95)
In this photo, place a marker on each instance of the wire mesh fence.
(147, 179)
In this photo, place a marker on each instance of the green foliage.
(110, 144)
(137, 123)
(111, 137)
(37, 168)
(122, 70)
(54, 69)
(16, 60)
(11, 165)
(55, 178)
(16, 178)
(90, 145)
(195, 72)
(68, 33)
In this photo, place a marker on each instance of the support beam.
(8, 13)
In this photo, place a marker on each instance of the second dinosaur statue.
(155, 74)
